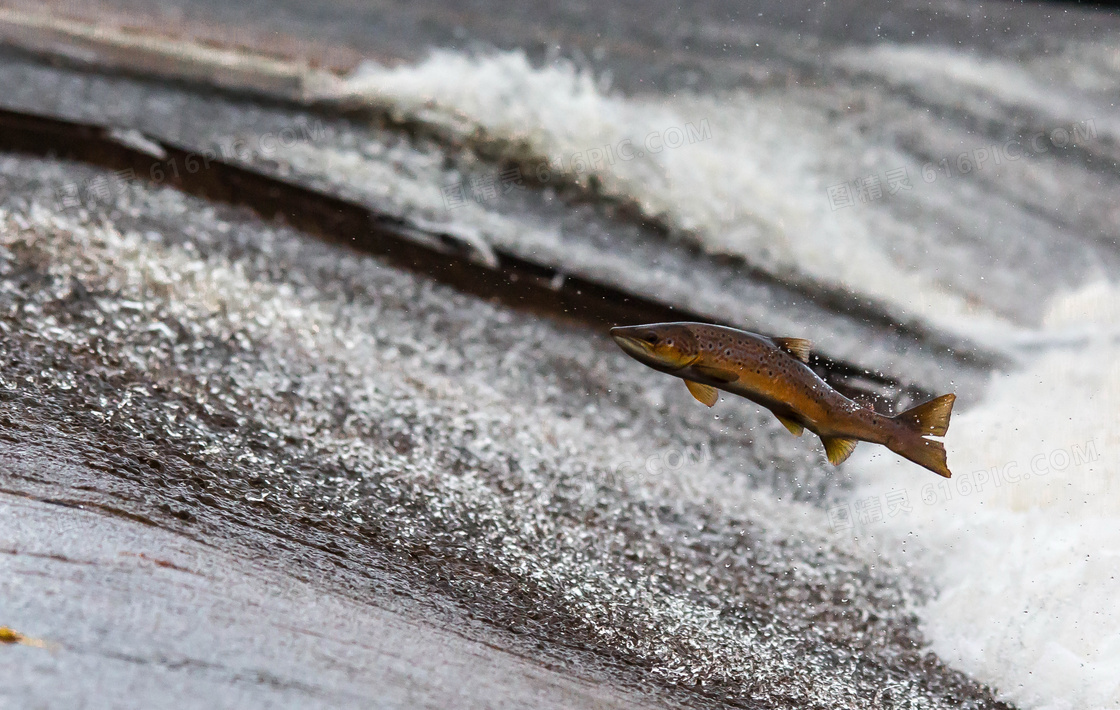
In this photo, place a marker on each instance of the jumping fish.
(774, 373)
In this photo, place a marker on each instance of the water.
(489, 444)
(250, 378)
(1006, 254)
(1009, 239)
(1016, 255)
(1022, 544)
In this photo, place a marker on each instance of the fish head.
(662, 346)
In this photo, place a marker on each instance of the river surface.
(929, 192)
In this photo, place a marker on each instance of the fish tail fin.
(929, 419)
(927, 453)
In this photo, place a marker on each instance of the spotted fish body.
(773, 373)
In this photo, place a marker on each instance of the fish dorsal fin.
(931, 418)
(838, 449)
(794, 427)
(716, 373)
(705, 394)
(798, 347)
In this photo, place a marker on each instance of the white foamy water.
(1024, 542)
(749, 174)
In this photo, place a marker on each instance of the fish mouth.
(630, 345)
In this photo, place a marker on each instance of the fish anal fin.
(838, 449)
(705, 394)
(716, 373)
(798, 347)
(794, 428)
(931, 418)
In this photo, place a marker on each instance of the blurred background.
(306, 398)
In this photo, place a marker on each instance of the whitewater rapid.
(1024, 542)
(1023, 545)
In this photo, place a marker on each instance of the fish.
(774, 373)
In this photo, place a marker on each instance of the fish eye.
(651, 338)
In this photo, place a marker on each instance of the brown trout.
(773, 373)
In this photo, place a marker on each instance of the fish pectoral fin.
(794, 428)
(716, 373)
(838, 449)
(705, 394)
(798, 347)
